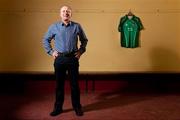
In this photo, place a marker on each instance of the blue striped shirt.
(65, 38)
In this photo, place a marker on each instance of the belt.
(66, 54)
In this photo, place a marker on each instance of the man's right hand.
(55, 54)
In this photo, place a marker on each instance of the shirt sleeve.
(120, 26)
(83, 39)
(47, 40)
(140, 25)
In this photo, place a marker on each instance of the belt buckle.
(68, 54)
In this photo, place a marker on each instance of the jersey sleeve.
(120, 26)
(140, 25)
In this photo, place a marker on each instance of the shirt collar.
(64, 24)
(131, 18)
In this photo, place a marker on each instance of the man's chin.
(67, 20)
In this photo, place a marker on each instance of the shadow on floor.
(130, 95)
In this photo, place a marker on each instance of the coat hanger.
(130, 13)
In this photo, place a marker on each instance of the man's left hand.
(78, 54)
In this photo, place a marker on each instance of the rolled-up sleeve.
(47, 40)
(83, 39)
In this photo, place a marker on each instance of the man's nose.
(66, 12)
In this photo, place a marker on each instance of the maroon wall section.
(45, 83)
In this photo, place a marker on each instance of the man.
(66, 54)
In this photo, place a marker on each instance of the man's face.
(65, 13)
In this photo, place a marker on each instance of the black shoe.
(79, 111)
(56, 112)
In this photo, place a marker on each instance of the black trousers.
(62, 65)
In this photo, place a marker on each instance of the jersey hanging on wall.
(130, 26)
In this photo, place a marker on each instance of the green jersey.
(130, 28)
